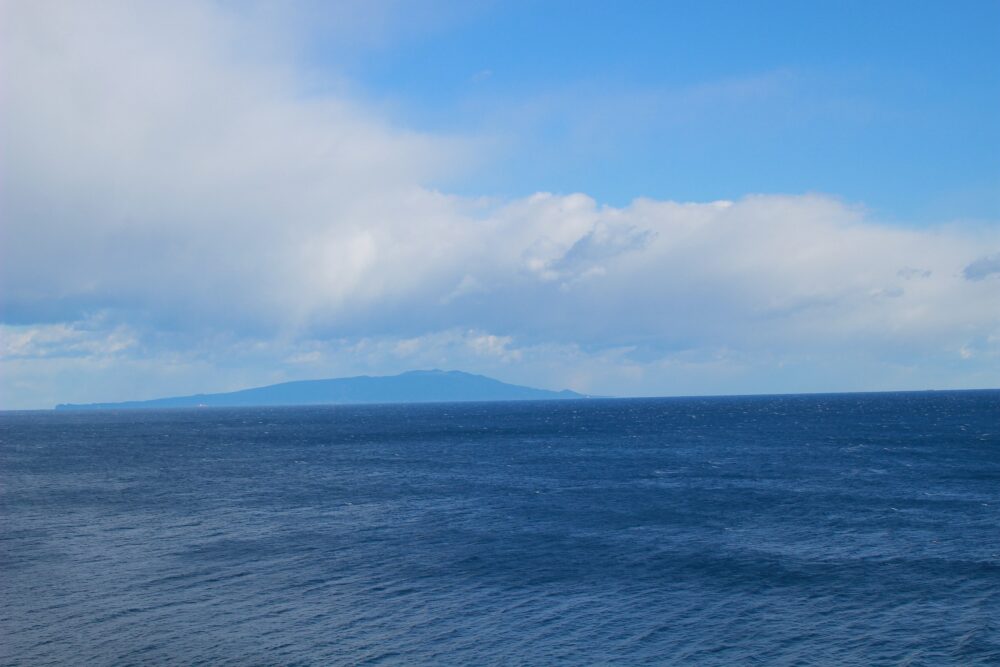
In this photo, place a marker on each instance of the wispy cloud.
(983, 267)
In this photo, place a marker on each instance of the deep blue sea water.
(835, 530)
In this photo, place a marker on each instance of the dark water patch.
(767, 530)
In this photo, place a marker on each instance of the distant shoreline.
(147, 405)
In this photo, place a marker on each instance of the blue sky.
(620, 198)
(889, 103)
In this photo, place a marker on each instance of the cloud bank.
(179, 216)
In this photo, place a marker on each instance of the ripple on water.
(850, 530)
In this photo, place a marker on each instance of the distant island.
(413, 387)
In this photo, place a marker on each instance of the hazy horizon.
(553, 390)
(675, 199)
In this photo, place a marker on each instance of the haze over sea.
(852, 529)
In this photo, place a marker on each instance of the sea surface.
(855, 529)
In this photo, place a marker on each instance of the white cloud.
(76, 339)
(174, 209)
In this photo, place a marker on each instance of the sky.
(632, 199)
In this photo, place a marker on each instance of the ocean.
(854, 529)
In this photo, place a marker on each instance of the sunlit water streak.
(852, 529)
